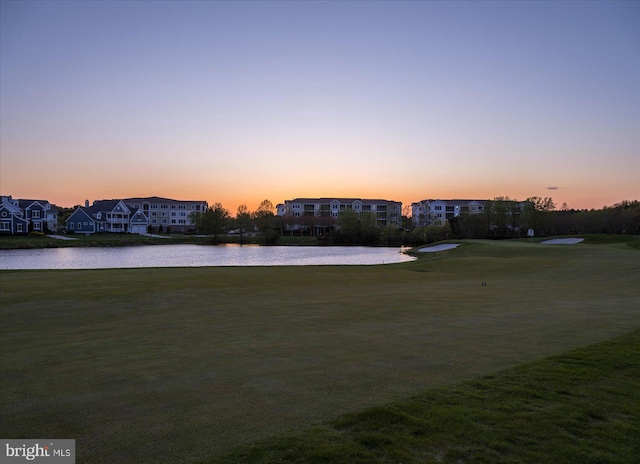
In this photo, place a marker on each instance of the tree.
(197, 219)
(63, 215)
(265, 220)
(356, 227)
(215, 220)
(537, 214)
(392, 235)
(369, 233)
(474, 225)
(243, 219)
(348, 225)
(503, 215)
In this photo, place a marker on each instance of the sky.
(237, 102)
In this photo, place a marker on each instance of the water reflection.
(196, 255)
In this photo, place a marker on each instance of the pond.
(196, 256)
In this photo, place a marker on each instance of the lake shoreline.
(133, 240)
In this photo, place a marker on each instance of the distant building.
(386, 212)
(19, 216)
(438, 212)
(167, 214)
(135, 216)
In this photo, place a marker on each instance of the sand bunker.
(562, 241)
(434, 248)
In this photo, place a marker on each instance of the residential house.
(20, 216)
(12, 220)
(102, 216)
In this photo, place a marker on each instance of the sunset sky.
(236, 102)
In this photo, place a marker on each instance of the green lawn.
(578, 407)
(179, 365)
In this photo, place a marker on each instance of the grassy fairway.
(578, 407)
(180, 364)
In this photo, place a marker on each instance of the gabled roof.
(139, 217)
(11, 208)
(26, 204)
(83, 212)
(106, 206)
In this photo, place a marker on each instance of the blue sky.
(240, 101)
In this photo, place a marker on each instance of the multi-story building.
(386, 212)
(135, 215)
(19, 216)
(167, 214)
(438, 212)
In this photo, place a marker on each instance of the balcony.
(117, 219)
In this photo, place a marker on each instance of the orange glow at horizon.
(430, 104)
(582, 198)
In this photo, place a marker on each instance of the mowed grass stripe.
(579, 407)
(142, 365)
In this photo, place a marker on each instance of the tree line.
(217, 221)
(507, 218)
(503, 217)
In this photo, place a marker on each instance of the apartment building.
(386, 212)
(438, 212)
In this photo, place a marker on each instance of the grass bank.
(98, 240)
(183, 364)
(578, 407)
(118, 240)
